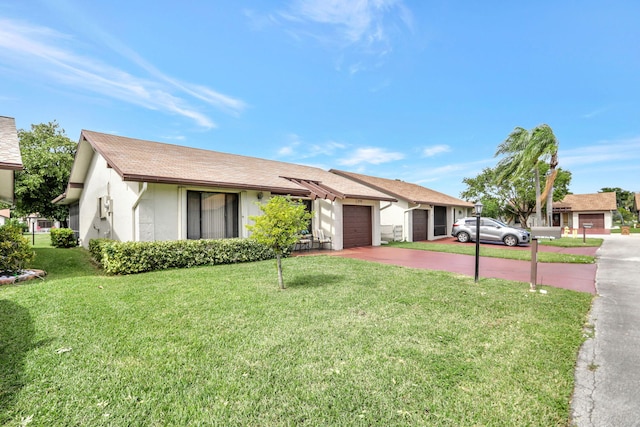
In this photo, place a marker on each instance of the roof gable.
(588, 202)
(413, 193)
(148, 161)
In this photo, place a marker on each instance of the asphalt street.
(607, 391)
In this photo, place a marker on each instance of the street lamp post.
(478, 207)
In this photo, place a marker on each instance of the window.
(45, 223)
(212, 215)
(74, 218)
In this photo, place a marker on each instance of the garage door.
(420, 222)
(596, 219)
(356, 228)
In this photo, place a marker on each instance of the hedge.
(15, 250)
(95, 248)
(63, 238)
(138, 257)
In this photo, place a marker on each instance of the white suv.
(491, 229)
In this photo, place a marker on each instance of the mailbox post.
(534, 260)
(585, 225)
(534, 263)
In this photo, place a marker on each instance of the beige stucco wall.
(162, 211)
(105, 182)
(330, 219)
(151, 211)
(400, 214)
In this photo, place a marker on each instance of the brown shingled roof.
(140, 160)
(10, 157)
(414, 193)
(587, 202)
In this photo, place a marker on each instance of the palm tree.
(524, 150)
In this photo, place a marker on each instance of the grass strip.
(496, 252)
(570, 242)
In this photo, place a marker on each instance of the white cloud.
(302, 150)
(435, 150)
(595, 113)
(374, 156)
(366, 25)
(286, 151)
(46, 52)
(621, 150)
(353, 17)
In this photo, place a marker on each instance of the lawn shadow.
(312, 280)
(16, 340)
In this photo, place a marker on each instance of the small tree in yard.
(279, 225)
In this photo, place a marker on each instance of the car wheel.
(510, 240)
(463, 237)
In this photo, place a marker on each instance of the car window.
(471, 222)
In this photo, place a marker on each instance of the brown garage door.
(420, 225)
(596, 219)
(356, 228)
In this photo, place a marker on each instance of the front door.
(420, 225)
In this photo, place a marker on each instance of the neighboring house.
(39, 224)
(422, 213)
(10, 158)
(636, 205)
(576, 210)
(5, 214)
(135, 190)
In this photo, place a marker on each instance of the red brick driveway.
(577, 277)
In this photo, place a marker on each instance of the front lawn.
(348, 343)
(497, 252)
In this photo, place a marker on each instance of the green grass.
(632, 230)
(348, 343)
(496, 252)
(61, 263)
(570, 242)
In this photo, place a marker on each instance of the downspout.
(133, 210)
(110, 210)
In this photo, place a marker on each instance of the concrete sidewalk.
(607, 390)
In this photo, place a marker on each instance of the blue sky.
(422, 91)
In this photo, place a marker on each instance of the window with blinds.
(212, 215)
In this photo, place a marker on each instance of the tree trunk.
(550, 207)
(553, 164)
(538, 207)
(279, 263)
